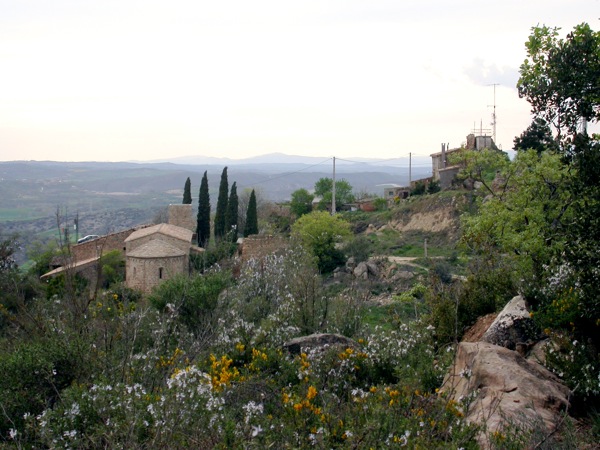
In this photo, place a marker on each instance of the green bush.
(194, 299)
(33, 376)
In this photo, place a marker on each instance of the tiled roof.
(156, 249)
(164, 228)
(79, 265)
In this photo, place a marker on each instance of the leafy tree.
(251, 226)
(481, 166)
(522, 218)
(537, 136)
(301, 202)
(343, 192)
(231, 218)
(221, 206)
(559, 78)
(187, 192)
(203, 220)
(319, 232)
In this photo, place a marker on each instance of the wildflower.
(13, 433)
(256, 430)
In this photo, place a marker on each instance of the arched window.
(160, 273)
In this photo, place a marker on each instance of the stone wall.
(182, 216)
(104, 244)
(145, 273)
(258, 246)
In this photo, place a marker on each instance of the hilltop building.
(152, 253)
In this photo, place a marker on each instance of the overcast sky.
(115, 80)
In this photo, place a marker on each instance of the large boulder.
(513, 327)
(318, 341)
(503, 388)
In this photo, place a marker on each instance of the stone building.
(155, 254)
(445, 165)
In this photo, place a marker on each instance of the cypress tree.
(221, 206)
(251, 216)
(231, 218)
(203, 224)
(187, 192)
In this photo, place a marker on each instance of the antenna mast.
(494, 112)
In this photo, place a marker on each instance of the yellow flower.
(312, 392)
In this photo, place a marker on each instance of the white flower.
(13, 433)
(256, 430)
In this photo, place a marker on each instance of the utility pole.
(333, 190)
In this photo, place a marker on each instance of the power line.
(266, 180)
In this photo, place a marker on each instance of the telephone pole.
(333, 190)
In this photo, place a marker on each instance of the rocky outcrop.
(502, 387)
(320, 341)
(513, 327)
(497, 384)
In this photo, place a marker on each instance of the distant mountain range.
(276, 161)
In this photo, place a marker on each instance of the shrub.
(194, 298)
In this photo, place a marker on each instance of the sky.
(120, 80)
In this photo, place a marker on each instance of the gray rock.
(372, 268)
(319, 341)
(513, 327)
(361, 270)
(504, 389)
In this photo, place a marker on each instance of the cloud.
(484, 73)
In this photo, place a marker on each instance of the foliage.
(433, 187)
(193, 299)
(480, 165)
(112, 268)
(419, 189)
(537, 136)
(33, 374)
(522, 220)
(187, 192)
(559, 78)
(301, 202)
(251, 226)
(219, 225)
(231, 218)
(359, 248)
(320, 232)
(203, 220)
(324, 189)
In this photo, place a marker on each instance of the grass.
(10, 214)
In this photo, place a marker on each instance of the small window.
(160, 273)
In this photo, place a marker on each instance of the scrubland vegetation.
(201, 362)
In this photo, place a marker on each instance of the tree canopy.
(319, 232)
(559, 78)
(187, 192)
(251, 226)
(301, 202)
(203, 219)
(324, 189)
(231, 218)
(537, 136)
(221, 206)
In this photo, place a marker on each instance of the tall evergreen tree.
(221, 206)
(187, 192)
(231, 218)
(203, 224)
(251, 217)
